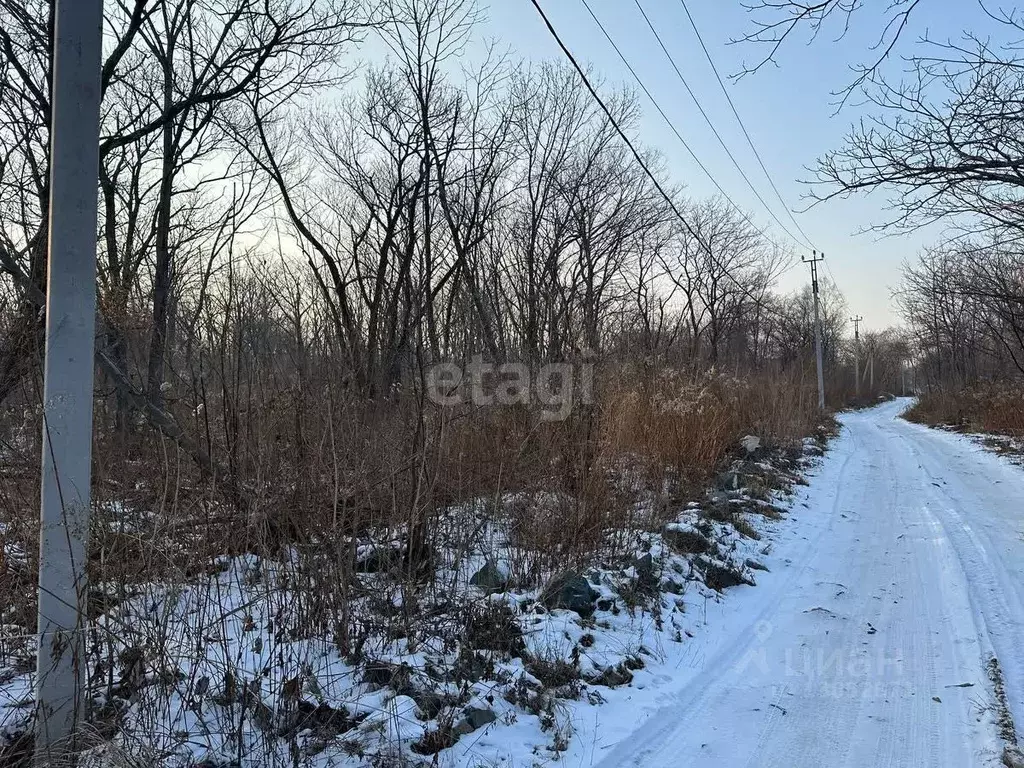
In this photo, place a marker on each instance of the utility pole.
(813, 261)
(60, 689)
(856, 353)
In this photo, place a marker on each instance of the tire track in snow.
(922, 590)
(997, 601)
(660, 726)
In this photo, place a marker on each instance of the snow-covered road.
(870, 642)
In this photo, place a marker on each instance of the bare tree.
(945, 142)
(724, 266)
(965, 305)
(774, 22)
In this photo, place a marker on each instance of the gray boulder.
(570, 591)
(475, 717)
(646, 572)
(719, 575)
(686, 540)
(490, 578)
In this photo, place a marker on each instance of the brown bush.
(997, 408)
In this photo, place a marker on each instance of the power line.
(615, 124)
(739, 120)
(707, 118)
(671, 125)
(835, 283)
(637, 156)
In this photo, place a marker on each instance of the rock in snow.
(570, 591)
(490, 578)
(475, 717)
(719, 575)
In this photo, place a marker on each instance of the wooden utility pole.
(856, 353)
(68, 379)
(813, 261)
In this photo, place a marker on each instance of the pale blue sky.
(788, 110)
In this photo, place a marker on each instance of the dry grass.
(996, 408)
(326, 475)
(322, 473)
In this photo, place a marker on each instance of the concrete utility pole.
(856, 353)
(68, 378)
(813, 261)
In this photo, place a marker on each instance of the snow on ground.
(214, 673)
(1012, 448)
(884, 630)
(888, 611)
(895, 583)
